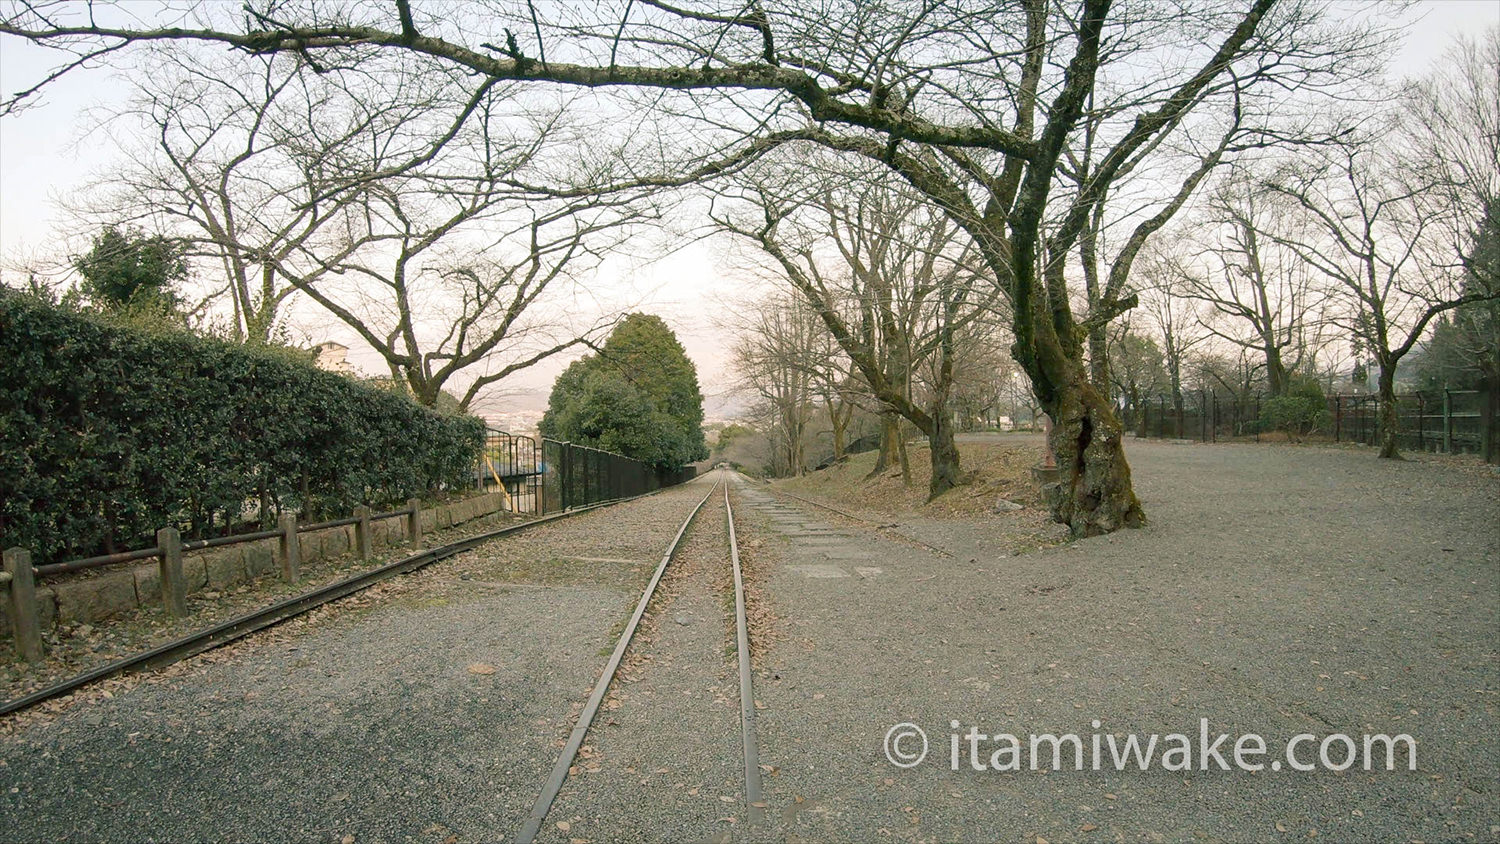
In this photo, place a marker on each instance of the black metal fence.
(510, 464)
(1447, 421)
(550, 476)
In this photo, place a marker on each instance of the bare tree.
(908, 274)
(390, 202)
(1373, 226)
(776, 353)
(1173, 316)
(1263, 296)
(252, 160)
(1453, 117)
(971, 104)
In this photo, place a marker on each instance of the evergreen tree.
(1464, 349)
(128, 270)
(637, 396)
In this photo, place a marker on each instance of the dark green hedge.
(109, 432)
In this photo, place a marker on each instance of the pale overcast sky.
(43, 157)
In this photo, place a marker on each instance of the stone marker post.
(291, 567)
(414, 521)
(23, 616)
(362, 543)
(173, 586)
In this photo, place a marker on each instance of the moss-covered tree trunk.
(1095, 494)
(944, 455)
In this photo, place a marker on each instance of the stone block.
(148, 580)
(90, 599)
(310, 547)
(260, 557)
(225, 568)
(335, 541)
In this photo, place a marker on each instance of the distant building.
(332, 357)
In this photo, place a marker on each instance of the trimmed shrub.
(109, 432)
(1300, 411)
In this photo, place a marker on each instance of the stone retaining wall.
(91, 597)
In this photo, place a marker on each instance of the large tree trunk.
(890, 436)
(840, 422)
(1276, 374)
(944, 453)
(1387, 425)
(1095, 495)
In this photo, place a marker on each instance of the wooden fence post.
(291, 563)
(23, 615)
(169, 558)
(362, 543)
(414, 521)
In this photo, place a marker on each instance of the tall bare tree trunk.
(901, 453)
(890, 438)
(1387, 425)
(1276, 374)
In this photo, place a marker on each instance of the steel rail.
(754, 804)
(533, 823)
(243, 625)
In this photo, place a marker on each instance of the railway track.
(243, 625)
(754, 805)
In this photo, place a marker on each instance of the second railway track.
(754, 804)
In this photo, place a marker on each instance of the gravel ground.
(1278, 590)
(426, 710)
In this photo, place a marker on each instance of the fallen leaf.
(1088, 827)
(564, 826)
(481, 668)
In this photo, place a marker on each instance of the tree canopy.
(637, 396)
(128, 269)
